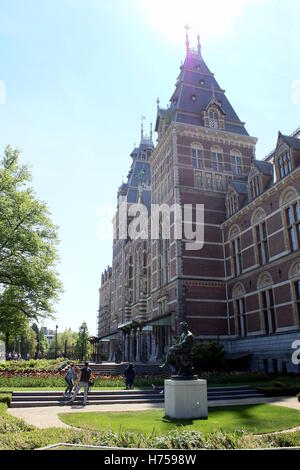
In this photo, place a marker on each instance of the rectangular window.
(199, 179)
(262, 246)
(216, 161)
(284, 164)
(236, 256)
(297, 296)
(219, 183)
(268, 311)
(208, 180)
(292, 214)
(236, 164)
(197, 158)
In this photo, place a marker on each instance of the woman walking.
(70, 378)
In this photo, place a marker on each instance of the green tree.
(82, 346)
(29, 283)
(43, 343)
(208, 356)
(65, 344)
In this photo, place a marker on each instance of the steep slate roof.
(240, 187)
(264, 167)
(291, 141)
(139, 175)
(196, 79)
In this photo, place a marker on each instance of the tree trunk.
(6, 344)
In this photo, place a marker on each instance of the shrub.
(280, 390)
(10, 424)
(298, 396)
(5, 398)
(208, 356)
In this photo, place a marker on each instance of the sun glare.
(209, 19)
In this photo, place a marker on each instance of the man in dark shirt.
(85, 376)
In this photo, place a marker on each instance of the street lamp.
(56, 328)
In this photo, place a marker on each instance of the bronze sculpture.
(180, 355)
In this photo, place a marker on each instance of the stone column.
(126, 346)
(138, 345)
(131, 346)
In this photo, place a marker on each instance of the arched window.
(291, 218)
(239, 306)
(294, 276)
(267, 307)
(260, 236)
(235, 251)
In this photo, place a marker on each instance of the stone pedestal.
(186, 399)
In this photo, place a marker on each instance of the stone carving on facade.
(295, 269)
(264, 280)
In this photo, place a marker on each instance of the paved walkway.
(47, 417)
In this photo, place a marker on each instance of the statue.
(180, 355)
(118, 355)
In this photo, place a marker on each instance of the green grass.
(253, 418)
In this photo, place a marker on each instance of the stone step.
(54, 398)
(35, 404)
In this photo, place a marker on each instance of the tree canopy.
(29, 283)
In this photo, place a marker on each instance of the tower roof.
(196, 88)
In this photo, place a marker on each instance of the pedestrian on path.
(129, 376)
(70, 378)
(84, 380)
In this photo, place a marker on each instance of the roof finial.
(199, 44)
(187, 43)
(142, 126)
(158, 102)
(151, 132)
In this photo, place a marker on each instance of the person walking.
(129, 376)
(84, 381)
(70, 378)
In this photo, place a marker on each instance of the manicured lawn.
(254, 418)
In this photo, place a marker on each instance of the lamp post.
(56, 328)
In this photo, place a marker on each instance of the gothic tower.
(202, 147)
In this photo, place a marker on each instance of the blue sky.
(78, 76)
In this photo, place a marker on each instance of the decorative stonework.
(288, 195)
(238, 290)
(258, 215)
(294, 270)
(264, 280)
(203, 284)
(234, 232)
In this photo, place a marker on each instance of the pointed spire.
(142, 127)
(158, 102)
(151, 132)
(187, 43)
(198, 44)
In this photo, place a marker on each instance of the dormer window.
(232, 204)
(254, 187)
(213, 119)
(284, 164)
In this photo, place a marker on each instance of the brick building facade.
(243, 287)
